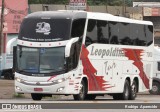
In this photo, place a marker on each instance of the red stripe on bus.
(135, 55)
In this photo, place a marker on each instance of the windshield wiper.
(55, 70)
(47, 69)
(24, 70)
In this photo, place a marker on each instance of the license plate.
(38, 89)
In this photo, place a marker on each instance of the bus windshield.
(40, 60)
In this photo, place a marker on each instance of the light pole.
(107, 6)
(1, 28)
(124, 8)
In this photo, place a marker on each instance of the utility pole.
(107, 6)
(1, 28)
(123, 8)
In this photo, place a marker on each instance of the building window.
(45, 8)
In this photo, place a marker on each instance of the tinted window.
(149, 34)
(113, 32)
(45, 29)
(102, 32)
(72, 61)
(141, 35)
(78, 28)
(134, 34)
(110, 32)
(124, 34)
(91, 36)
(138, 34)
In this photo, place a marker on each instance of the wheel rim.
(81, 93)
(154, 88)
(134, 90)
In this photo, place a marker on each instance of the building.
(151, 12)
(14, 12)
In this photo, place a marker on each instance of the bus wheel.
(36, 96)
(83, 92)
(133, 91)
(126, 91)
(155, 88)
(116, 96)
(90, 97)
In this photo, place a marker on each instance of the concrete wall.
(115, 10)
(131, 12)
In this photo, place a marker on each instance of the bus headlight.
(59, 81)
(19, 79)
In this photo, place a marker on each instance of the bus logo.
(38, 83)
(44, 28)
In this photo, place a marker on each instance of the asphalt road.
(143, 103)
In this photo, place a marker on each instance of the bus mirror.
(68, 46)
(14, 57)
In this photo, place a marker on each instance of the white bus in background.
(6, 61)
(156, 76)
(84, 54)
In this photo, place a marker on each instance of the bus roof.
(73, 14)
(57, 15)
(110, 17)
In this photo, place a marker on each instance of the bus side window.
(134, 34)
(149, 34)
(138, 35)
(141, 35)
(91, 36)
(78, 28)
(124, 34)
(88, 41)
(113, 32)
(102, 32)
(74, 56)
(114, 40)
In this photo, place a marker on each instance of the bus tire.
(116, 96)
(36, 97)
(155, 88)
(90, 97)
(126, 91)
(133, 91)
(83, 92)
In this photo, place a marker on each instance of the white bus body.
(6, 61)
(90, 54)
(156, 76)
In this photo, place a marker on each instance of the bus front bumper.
(44, 87)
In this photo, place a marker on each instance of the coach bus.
(156, 74)
(84, 54)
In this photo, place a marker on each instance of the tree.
(48, 1)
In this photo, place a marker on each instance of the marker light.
(60, 89)
(18, 88)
